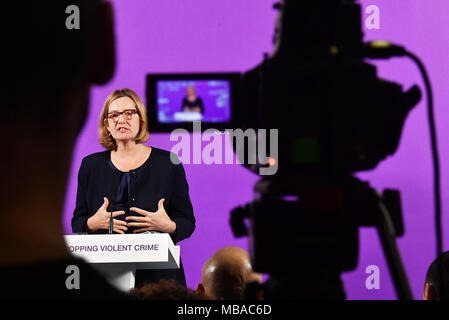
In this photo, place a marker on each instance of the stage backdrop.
(232, 35)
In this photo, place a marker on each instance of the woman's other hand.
(157, 221)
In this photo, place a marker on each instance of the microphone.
(111, 223)
(113, 199)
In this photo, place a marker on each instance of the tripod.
(305, 240)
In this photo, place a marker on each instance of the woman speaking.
(140, 185)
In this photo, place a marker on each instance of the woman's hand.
(100, 220)
(158, 221)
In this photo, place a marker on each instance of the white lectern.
(118, 256)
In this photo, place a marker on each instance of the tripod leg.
(386, 232)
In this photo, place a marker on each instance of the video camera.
(333, 116)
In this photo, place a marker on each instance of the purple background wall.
(232, 35)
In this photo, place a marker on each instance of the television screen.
(207, 100)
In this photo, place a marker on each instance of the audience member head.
(436, 286)
(166, 290)
(226, 274)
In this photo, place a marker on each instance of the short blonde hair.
(106, 140)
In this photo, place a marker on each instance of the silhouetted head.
(436, 286)
(55, 50)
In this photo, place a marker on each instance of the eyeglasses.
(127, 114)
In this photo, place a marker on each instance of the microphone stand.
(111, 224)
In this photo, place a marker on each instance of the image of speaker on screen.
(191, 102)
(178, 98)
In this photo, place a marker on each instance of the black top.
(192, 104)
(143, 187)
(54, 280)
(121, 198)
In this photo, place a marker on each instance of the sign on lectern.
(118, 256)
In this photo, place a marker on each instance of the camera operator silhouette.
(50, 69)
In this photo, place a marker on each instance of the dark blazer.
(157, 178)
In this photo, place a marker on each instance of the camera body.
(333, 117)
(333, 114)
